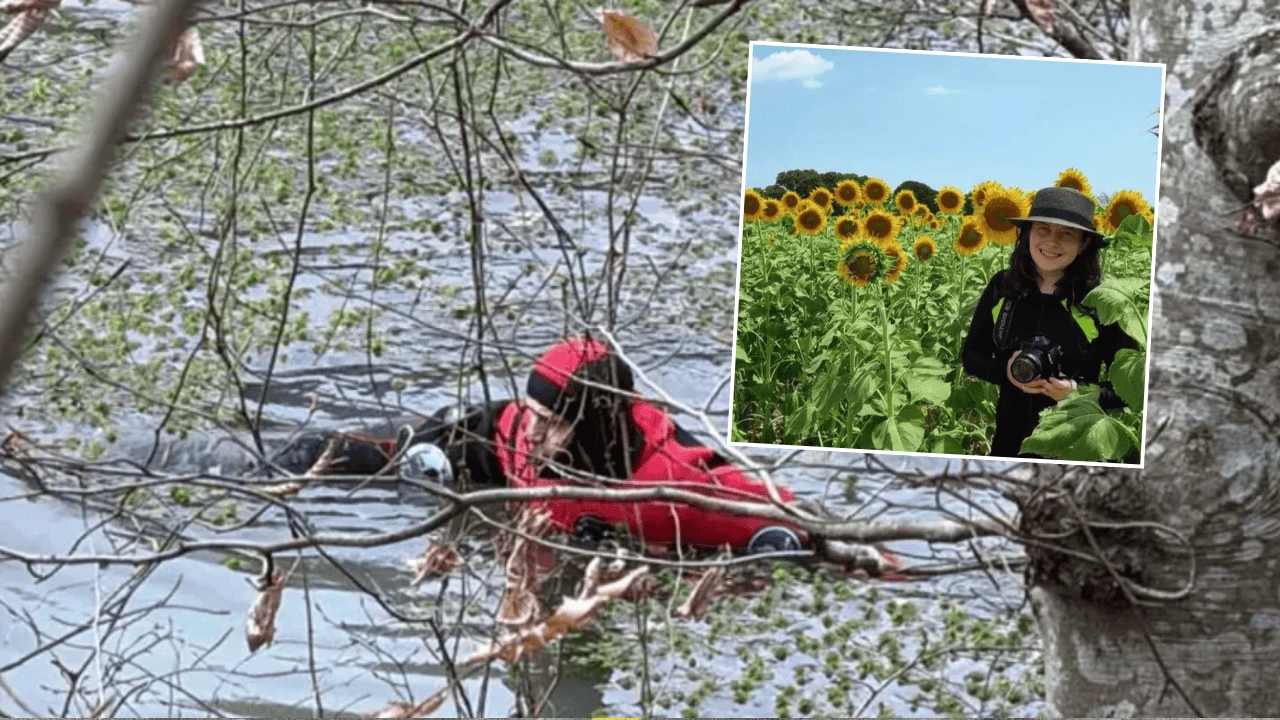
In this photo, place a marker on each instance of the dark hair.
(605, 440)
(1082, 275)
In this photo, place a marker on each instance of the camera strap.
(1003, 327)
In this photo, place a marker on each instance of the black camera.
(1037, 358)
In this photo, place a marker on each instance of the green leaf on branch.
(1127, 373)
(1079, 429)
(1116, 302)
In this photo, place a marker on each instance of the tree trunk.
(1215, 380)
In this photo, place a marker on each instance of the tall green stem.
(888, 359)
(964, 259)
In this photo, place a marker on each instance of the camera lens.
(1025, 367)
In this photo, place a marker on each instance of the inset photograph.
(946, 253)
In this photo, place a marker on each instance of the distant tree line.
(804, 181)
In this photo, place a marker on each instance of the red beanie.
(549, 382)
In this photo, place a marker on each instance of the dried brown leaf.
(186, 55)
(1267, 195)
(700, 598)
(1041, 12)
(397, 710)
(20, 28)
(13, 7)
(573, 613)
(260, 627)
(519, 605)
(629, 39)
(436, 560)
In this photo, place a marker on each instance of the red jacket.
(669, 457)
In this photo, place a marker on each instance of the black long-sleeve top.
(1017, 412)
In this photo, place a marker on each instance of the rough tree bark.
(1215, 379)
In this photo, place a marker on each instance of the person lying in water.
(574, 423)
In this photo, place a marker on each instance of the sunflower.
(790, 200)
(1122, 205)
(881, 227)
(848, 229)
(1002, 204)
(922, 213)
(906, 201)
(861, 263)
(981, 190)
(924, 248)
(950, 200)
(935, 225)
(848, 192)
(1074, 179)
(970, 239)
(810, 219)
(752, 205)
(897, 262)
(821, 197)
(875, 190)
(771, 211)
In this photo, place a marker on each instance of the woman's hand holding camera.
(1056, 388)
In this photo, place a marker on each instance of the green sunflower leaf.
(928, 389)
(1133, 229)
(1078, 429)
(1127, 376)
(904, 432)
(1115, 302)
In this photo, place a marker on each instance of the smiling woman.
(1030, 334)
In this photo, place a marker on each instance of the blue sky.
(949, 119)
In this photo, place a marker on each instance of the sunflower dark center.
(878, 226)
(847, 227)
(846, 194)
(861, 266)
(1121, 211)
(810, 219)
(752, 205)
(970, 237)
(924, 252)
(949, 200)
(875, 192)
(997, 213)
(1073, 183)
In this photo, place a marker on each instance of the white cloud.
(939, 90)
(799, 65)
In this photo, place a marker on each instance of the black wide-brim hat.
(1063, 206)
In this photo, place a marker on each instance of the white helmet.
(425, 461)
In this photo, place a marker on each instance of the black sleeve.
(1111, 339)
(352, 453)
(982, 359)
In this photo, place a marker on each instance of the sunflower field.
(855, 300)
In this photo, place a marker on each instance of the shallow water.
(676, 325)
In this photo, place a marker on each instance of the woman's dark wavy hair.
(1081, 276)
(605, 440)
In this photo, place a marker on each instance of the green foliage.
(1077, 428)
(822, 362)
(1120, 301)
(804, 181)
(923, 193)
(816, 644)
